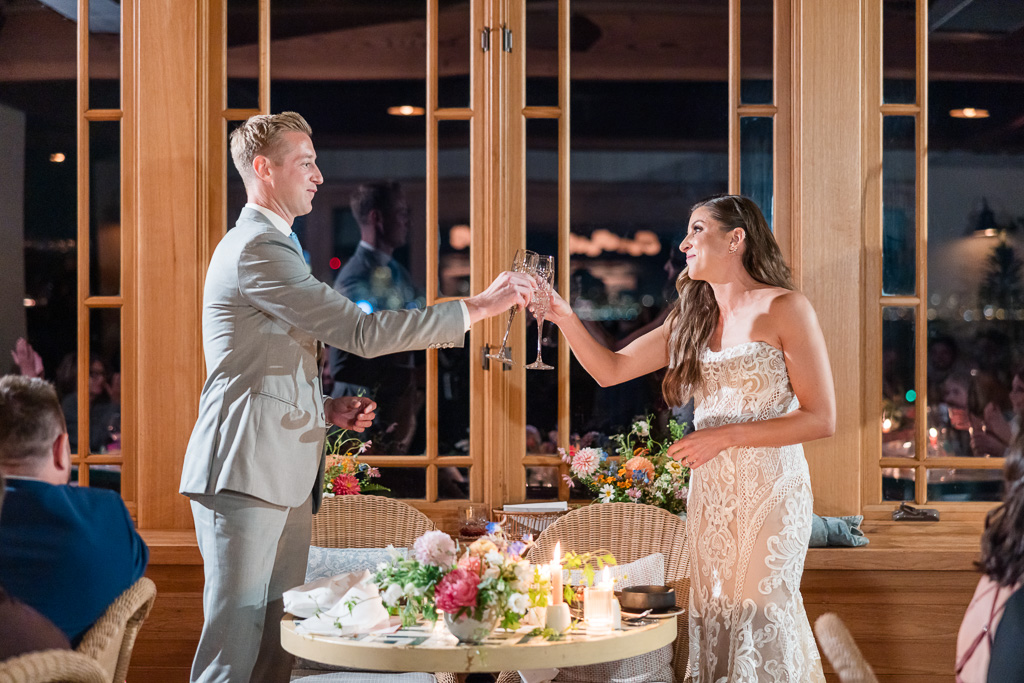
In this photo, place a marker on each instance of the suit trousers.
(252, 552)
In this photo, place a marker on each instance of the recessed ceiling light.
(58, 157)
(969, 113)
(406, 110)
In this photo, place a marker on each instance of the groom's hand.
(350, 412)
(508, 289)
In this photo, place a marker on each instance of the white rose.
(491, 572)
(494, 558)
(518, 603)
(392, 595)
(412, 589)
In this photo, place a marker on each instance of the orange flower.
(348, 465)
(639, 463)
(640, 450)
(622, 472)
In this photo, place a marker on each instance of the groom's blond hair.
(261, 135)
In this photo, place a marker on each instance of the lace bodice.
(745, 382)
(749, 520)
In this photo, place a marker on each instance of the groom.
(251, 467)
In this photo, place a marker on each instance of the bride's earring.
(733, 247)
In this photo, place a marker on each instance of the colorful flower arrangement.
(489, 578)
(344, 475)
(639, 469)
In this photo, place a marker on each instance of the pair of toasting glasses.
(542, 268)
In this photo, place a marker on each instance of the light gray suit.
(253, 458)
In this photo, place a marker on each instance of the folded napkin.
(837, 531)
(338, 605)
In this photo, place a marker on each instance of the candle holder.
(557, 618)
(597, 608)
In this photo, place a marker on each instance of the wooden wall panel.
(827, 253)
(170, 367)
(168, 639)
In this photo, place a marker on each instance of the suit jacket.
(67, 551)
(261, 421)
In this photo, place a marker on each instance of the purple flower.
(569, 481)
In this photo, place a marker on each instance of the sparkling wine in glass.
(525, 261)
(545, 275)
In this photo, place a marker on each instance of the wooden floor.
(903, 597)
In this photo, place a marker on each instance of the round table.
(431, 648)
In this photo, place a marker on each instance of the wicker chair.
(629, 531)
(366, 522)
(52, 666)
(842, 653)
(110, 640)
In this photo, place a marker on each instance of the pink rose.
(457, 590)
(471, 563)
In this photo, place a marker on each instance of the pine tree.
(1001, 285)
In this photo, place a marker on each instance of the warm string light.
(969, 113)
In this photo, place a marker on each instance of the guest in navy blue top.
(64, 550)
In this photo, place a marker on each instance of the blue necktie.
(295, 238)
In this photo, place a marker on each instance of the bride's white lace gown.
(749, 520)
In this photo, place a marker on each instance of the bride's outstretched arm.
(645, 354)
(803, 347)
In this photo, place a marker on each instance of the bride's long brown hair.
(695, 315)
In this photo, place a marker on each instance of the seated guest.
(25, 630)
(66, 551)
(1002, 568)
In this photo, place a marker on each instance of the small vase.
(466, 629)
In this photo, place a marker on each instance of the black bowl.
(640, 598)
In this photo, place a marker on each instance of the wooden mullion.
(544, 112)
(959, 463)
(103, 301)
(264, 56)
(103, 114)
(902, 301)
(750, 110)
(921, 239)
(564, 228)
(82, 228)
(237, 114)
(128, 255)
(431, 249)
(451, 113)
(734, 43)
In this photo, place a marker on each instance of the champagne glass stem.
(540, 335)
(508, 328)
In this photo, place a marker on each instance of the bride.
(748, 348)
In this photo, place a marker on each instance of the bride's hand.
(696, 448)
(558, 309)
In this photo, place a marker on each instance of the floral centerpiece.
(638, 469)
(486, 584)
(344, 475)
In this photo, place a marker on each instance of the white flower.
(642, 428)
(491, 572)
(674, 468)
(381, 566)
(518, 603)
(412, 590)
(392, 595)
(494, 558)
(607, 491)
(524, 571)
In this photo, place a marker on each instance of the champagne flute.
(545, 275)
(525, 261)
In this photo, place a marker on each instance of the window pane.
(950, 485)
(757, 25)
(243, 62)
(453, 483)
(898, 391)
(542, 49)
(641, 157)
(899, 46)
(38, 196)
(404, 482)
(105, 207)
(898, 483)
(453, 207)
(541, 482)
(541, 237)
(457, 42)
(756, 163)
(899, 265)
(104, 55)
(453, 400)
(104, 392)
(975, 210)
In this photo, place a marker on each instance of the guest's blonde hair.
(261, 135)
